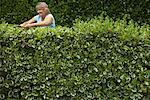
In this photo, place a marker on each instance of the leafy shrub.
(16, 11)
(98, 59)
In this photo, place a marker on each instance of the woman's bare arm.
(27, 22)
(47, 21)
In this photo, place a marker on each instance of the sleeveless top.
(37, 18)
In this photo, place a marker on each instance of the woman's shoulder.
(36, 16)
(50, 15)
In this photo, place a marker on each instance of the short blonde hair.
(42, 5)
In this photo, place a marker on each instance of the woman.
(44, 18)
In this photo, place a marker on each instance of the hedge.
(16, 11)
(66, 11)
(91, 60)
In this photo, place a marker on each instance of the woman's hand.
(23, 24)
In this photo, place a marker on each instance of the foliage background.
(66, 11)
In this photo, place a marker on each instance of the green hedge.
(66, 11)
(16, 11)
(98, 59)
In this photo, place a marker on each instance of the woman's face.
(41, 12)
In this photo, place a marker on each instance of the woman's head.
(42, 9)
